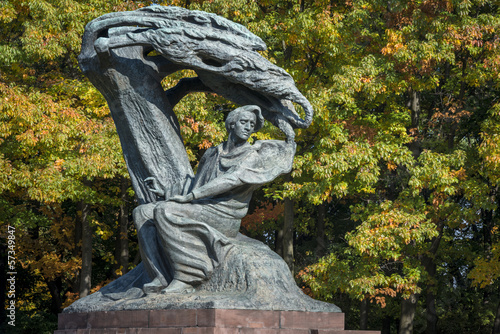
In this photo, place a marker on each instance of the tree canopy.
(395, 185)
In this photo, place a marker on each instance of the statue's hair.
(232, 117)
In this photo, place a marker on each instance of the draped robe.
(186, 241)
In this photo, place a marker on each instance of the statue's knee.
(165, 207)
(136, 214)
(142, 214)
(162, 207)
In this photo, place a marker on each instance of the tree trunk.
(430, 303)
(363, 314)
(386, 325)
(55, 292)
(77, 251)
(86, 272)
(488, 226)
(414, 106)
(408, 309)
(430, 267)
(320, 231)
(278, 243)
(496, 324)
(121, 253)
(288, 229)
(288, 233)
(430, 300)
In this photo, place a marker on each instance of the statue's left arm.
(268, 160)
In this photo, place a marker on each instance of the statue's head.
(237, 113)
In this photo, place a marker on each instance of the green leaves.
(403, 152)
(406, 133)
(438, 172)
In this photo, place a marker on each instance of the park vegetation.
(392, 209)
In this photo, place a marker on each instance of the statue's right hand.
(153, 186)
(182, 198)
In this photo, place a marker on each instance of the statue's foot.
(154, 286)
(178, 287)
(132, 293)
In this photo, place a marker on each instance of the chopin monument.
(193, 258)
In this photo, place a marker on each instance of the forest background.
(391, 210)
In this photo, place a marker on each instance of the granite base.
(204, 321)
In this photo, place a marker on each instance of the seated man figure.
(183, 238)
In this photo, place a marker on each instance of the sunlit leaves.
(57, 140)
(49, 142)
(487, 268)
(489, 149)
(388, 229)
(413, 170)
(411, 173)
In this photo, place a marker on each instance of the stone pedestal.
(204, 321)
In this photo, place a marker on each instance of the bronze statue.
(188, 225)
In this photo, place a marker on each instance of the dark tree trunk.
(487, 218)
(122, 254)
(408, 309)
(430, 267)
(288, 229)
(363, 314)
(278, 243)
(496, 324)
(288, 233)
(430, 302)
(86, 272)
(414, 106)
(55, 292)
(77, 251)
(409, 306)
(488, 226)
(386, 325)
(320, 230)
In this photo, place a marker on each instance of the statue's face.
(245, 125)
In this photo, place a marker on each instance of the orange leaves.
(205, 144)
(433, 8)
(460, 174)
(50, 266)
(268, 211)
(391, 166)
(48, 251)
(452, 112)
(487, 266)
(394, 42)
(476, 37)
(71, 297)
(38, 118)
(357, 130)
(192, 124)
(52, 139)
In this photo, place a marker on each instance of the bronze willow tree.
(117, 56)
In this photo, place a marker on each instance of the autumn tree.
(410, 97)
(59, 152)
(395, 184)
